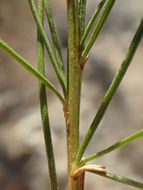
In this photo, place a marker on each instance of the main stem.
(74, 85)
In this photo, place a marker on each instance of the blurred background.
(23, 164)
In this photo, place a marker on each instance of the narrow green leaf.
(114, 146)
(29, 67)
(98, 27)
(82, 14)
(43, 104)
(60, 74)
(111, 91)
(92, 20)
(54, 34)
(121, 179)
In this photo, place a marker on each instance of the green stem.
(92, 20)
(60, 74)
(29, 67)
(114, 146)
(74, 83)
(121, 179)
(111, 91)
(54, 34)
(97, 29)
(43, 104)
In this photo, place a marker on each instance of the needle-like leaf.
(111, 91)
(92, 20)
(114, 146)
(54, 34)
(121, 179)
(60, 74)
(97, 28)
(30, 68)
(43, 104)
(82, 14)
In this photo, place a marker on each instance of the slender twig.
(111, 91)
(29, 67)
(43, 104)
(121, 179)
(54, 34)
(60, 74)
(97, 29)
(114, 146)
(92, 20)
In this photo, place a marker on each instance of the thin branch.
(54, 34)
(114, 146)
(29, 67)
(92, 20)
(111, 91)
(97, 29)
(60, 74)
(121, 179)
(43, 104)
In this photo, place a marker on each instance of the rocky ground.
(23, 163)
